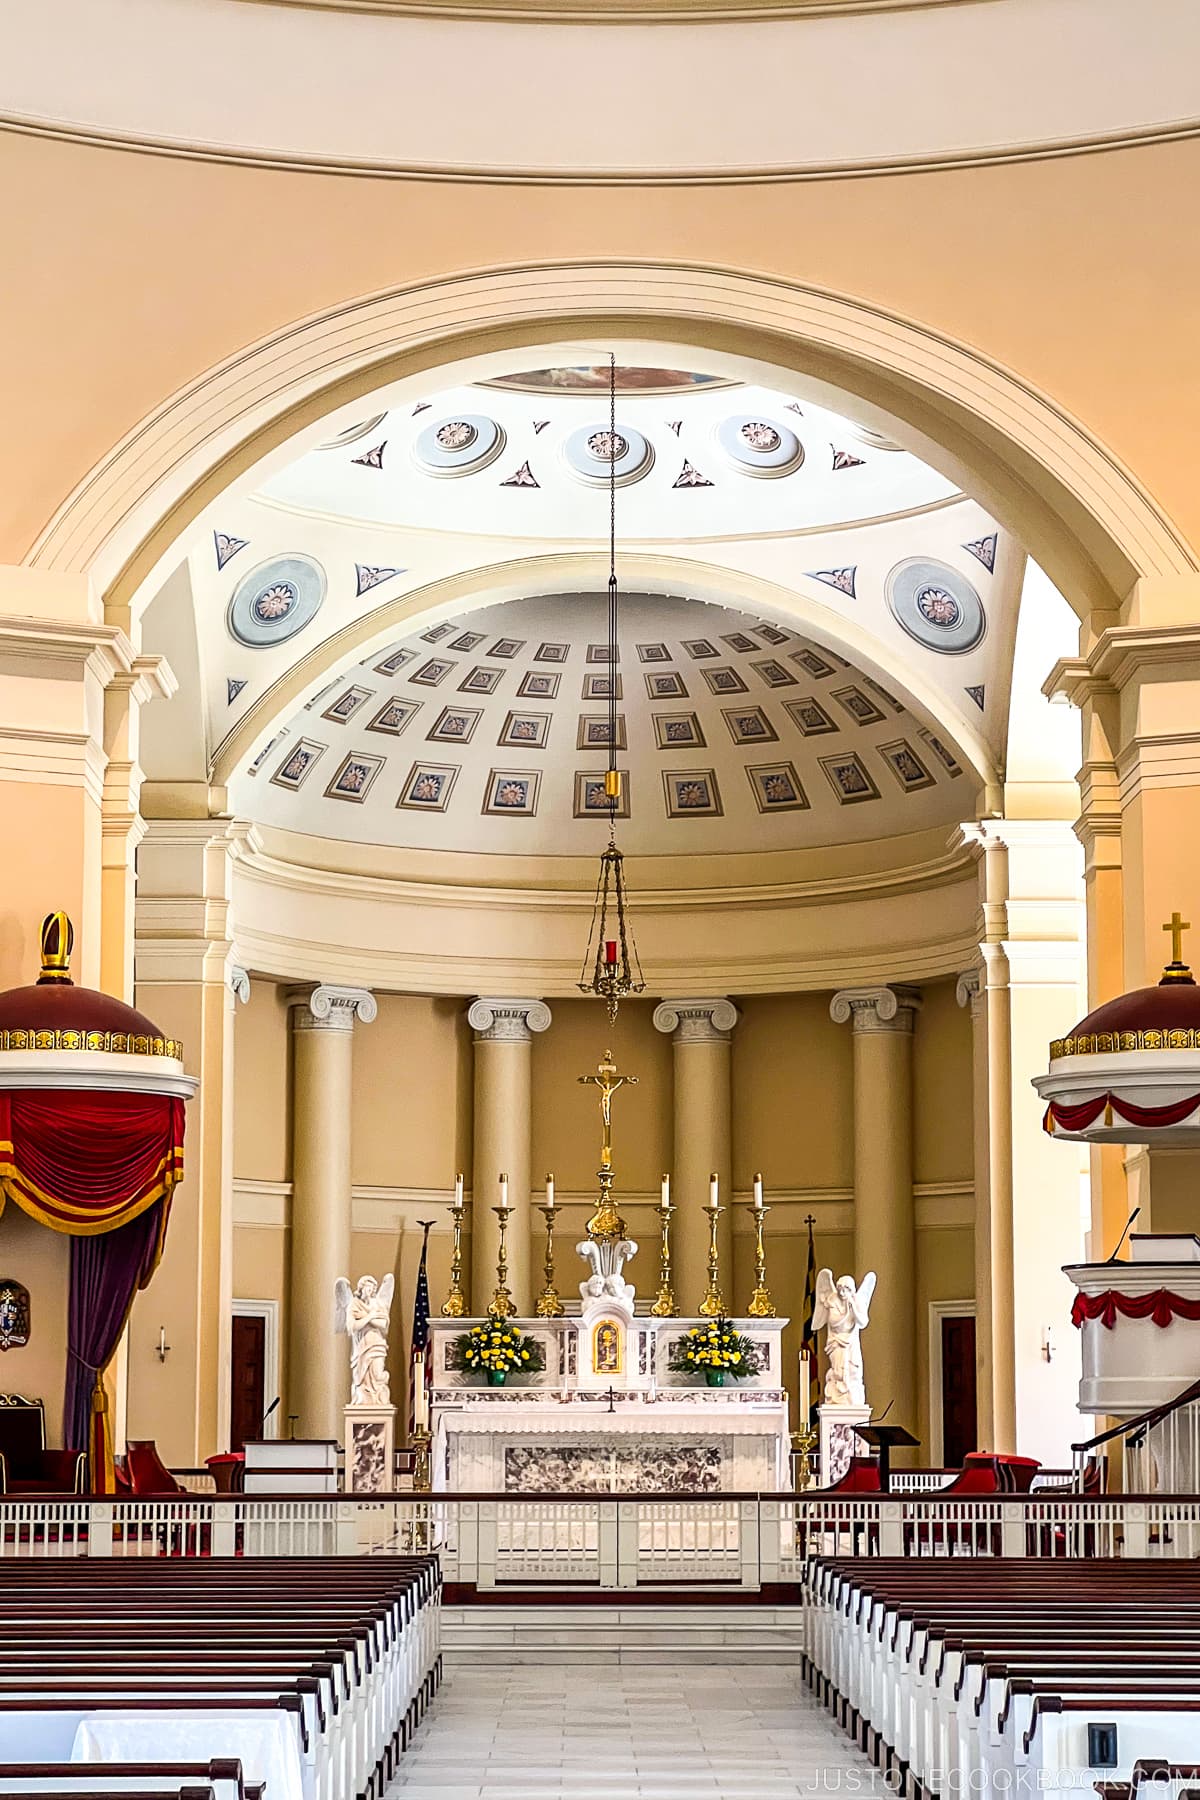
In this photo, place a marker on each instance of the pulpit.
(1140, 1325)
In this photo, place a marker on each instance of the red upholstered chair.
(148, 1474)
(1017, 1473)
(26, 1466)
(228, 1470)
(862, 1477)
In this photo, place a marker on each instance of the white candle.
(550, 1190)
(805, 1406)
(504, 1192)
(665, 1197)
(420, 1397)
(758, 1192)
(712, 1192)
(458, 1190)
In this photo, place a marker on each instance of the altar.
(628, 1429)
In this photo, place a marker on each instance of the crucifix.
(1177, 925)
(608, 1080)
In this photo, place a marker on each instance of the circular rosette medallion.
(760, 446)
(458, 446)
(594, 449)
(936, 605)
(275, 601)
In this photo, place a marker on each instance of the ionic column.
(970, 992)
(882, 1022)
(318, 1378)
(503, 1125)
(700, 1036)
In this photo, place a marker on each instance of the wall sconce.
(162, 1347)
(1047, 1344)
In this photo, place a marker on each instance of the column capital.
(968, 989)
(697, 1021)
(329, 1008)
(876, 1008)
(507, 1021)
(239, 983)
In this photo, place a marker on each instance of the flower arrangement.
(714, 1351)
(497, 1349)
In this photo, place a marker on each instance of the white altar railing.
(608, 1542)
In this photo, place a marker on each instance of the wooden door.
(958, 1391)
(248, 1387)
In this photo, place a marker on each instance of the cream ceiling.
(489, 732)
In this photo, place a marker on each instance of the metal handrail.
(1144, 1422)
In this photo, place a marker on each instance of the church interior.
(600, 751)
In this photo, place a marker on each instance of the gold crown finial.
(58, 941)
(1176, 970)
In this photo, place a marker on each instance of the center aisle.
(605, 1732)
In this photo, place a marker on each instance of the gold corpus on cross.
(606, 1223)
(1176, 969)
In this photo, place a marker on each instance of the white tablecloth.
(266, 1742)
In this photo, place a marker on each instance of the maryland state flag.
(808, 1340)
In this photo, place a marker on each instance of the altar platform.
(607, 1415)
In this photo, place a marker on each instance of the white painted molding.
(507, 1021)
(696, 1021)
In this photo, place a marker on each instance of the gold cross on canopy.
(608, 1079)
(1177, 925)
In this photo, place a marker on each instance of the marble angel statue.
(363, 1315)
(844, 1310)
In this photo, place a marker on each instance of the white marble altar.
(607, 1415)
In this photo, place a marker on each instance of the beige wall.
(945, 1271)
(943, 1101)
(412, 1094)
(262, 1122)
(40, 1258)
(792, 1094)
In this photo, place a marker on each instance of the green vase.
(497, 1377)
(715, 1377)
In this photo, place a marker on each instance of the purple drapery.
(106, 1272)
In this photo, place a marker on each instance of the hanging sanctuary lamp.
(611, 969)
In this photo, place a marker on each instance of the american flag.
(808, 1339)
(419, 1369)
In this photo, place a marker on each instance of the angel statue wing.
(387, 1288)
(341, 1304)
(862, 1298)
(826, 1289)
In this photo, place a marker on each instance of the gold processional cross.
(1177, 925)
(606, 1222)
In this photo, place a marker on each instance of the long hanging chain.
(611, 785)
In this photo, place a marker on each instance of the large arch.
(1075, 506)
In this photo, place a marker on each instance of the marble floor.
(692, 1731)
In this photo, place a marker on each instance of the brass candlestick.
(761, 1304)
(455, 1303)
(713, 1304)
(549, 1305)
(502, 1301)
(664, 1306)
(422, 1470)
(803, 1444)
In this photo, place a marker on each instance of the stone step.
(622, 1635)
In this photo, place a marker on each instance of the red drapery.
(1162, 1306)
(87, 1162)
(91, 1165)
(1078, 1118)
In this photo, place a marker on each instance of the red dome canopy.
(54, 1014)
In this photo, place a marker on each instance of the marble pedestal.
(370, 1449)
(839, 1445)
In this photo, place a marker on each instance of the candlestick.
(804, 1407)
(713, 1195)
(502, 1306)
(455, 1303)
(803, 1444)
(664, 1305)
(422, 1443)
(713, 1304)
(420, 1399)
(549, 1302)
(761, 1305)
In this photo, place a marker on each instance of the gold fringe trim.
(1102, 1043)
(120, 1043)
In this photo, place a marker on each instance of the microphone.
(1129, 1221)
(887, 1409)
(269, 1411)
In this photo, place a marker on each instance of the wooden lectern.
(883, 1439)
